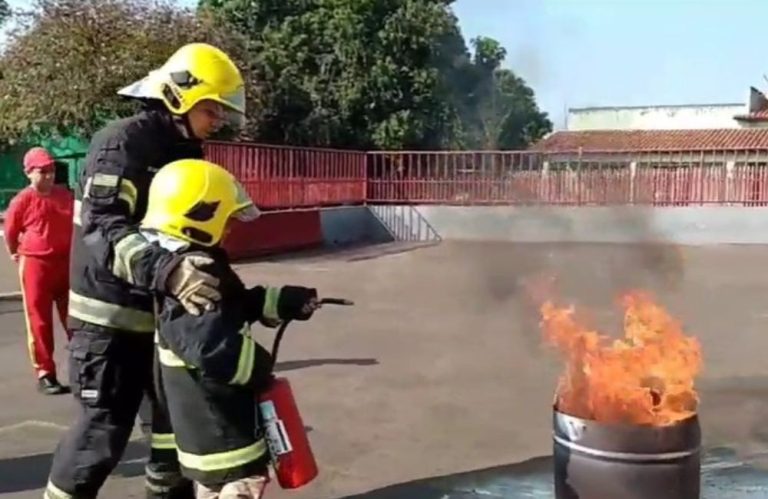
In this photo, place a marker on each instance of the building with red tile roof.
(643, 129)
(653, 140)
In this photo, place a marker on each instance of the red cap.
(38, 158)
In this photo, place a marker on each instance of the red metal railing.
(294, 178)
(279, 177)
(673, 178)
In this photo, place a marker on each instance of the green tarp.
(69, 151)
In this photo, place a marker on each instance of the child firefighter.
(211, 370)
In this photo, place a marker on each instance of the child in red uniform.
(38, 233)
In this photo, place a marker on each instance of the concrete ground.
(438, 369)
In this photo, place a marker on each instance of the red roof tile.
(654, 140)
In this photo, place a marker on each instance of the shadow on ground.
(348, 253)
(724, 475)
(529, 479)
(31, 472)
(292, 365)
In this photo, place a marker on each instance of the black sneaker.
(49, 385)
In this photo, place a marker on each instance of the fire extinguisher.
(292, 458)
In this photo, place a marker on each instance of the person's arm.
(218, 345)
(218, 342)
(12, 226)
(107, 213)
(271, 304)
(67, 196)
(107, 209)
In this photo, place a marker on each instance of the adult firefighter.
(115, 270)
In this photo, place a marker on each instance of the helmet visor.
(235, 100)
(246, 211)
(233, 121)
(146, 88)
(234, 104)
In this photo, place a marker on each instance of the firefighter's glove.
(195, 289)
(297, 303)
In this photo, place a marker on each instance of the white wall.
(655, 117)
(705, 225)
(682, 225)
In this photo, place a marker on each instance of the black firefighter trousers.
(110, 374)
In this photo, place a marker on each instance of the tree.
(499, 111)
(387, 74)
(519, 120)
(65, 60)
(365, 74)
(350, 73)
(5, 11)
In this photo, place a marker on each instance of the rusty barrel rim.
(627, 442)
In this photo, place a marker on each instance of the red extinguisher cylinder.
(292, 458)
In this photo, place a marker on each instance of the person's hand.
(15, 257)
(195, 289)
(297, 303)
(309, 308)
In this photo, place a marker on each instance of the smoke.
(526, 61)
(518, 276)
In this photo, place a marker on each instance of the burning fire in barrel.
(625, 411)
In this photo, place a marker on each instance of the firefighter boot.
(168, 485)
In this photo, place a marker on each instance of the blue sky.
(577, 53)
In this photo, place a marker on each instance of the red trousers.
(44, 283)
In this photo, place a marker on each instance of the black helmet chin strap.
(180, 121)
(182, 124)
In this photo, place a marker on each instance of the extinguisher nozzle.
(336, 301)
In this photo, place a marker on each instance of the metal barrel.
(600, 461)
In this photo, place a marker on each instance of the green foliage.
(365, 74)
(386, 74)
(5, 11)
(347, 73)
(65, 60)
(489, 54)
(499, 110)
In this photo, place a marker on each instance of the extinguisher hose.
(284, 325)
(278, 339)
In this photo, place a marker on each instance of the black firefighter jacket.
(217, 344)
(113, 268)
(211, 370)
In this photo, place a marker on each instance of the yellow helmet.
(195, 72)
(193, 199)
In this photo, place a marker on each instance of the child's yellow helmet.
(193, 199)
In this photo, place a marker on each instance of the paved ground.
(9, 274)
(439, 369)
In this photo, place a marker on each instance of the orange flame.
(647, 378)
